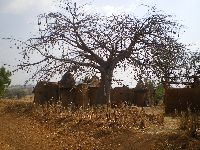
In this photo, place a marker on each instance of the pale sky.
(18, 19)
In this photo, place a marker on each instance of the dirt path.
(19, 133)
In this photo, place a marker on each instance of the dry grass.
(123, 117)
(190, 122)
(128, 127)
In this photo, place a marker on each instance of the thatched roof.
(67, 80)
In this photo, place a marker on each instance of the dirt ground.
(19, 131)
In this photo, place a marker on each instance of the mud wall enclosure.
(83, 95)
(181, 99)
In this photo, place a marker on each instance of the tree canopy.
(80, 42)
(194, 65)
(4, 80)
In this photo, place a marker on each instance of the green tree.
(159, 93)
(4, 80)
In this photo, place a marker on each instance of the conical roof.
(67, 80)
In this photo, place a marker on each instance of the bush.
(159, 92)
(4, 80)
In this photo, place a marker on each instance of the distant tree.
(73, 40)
(4, 80)
(19, 93)
(15, 93)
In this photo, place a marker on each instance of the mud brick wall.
(81, 96)
(120, 95)
(46, 92)
(140, 97)
(181, 99)
(67, 96)
(92, 93)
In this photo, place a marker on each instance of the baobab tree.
(74, 40)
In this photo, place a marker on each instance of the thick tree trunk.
(103, 94)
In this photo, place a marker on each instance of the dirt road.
(19, 133)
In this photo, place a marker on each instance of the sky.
(18, 19)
